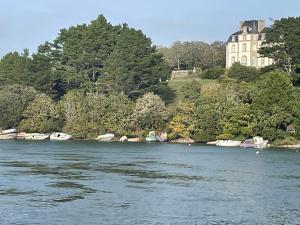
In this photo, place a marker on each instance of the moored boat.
(58, 136)
(228, 143)
(151, 137)
(10, 136)
(255, 142)
(137, 139)
(36, 136)
(183, 141)
(105, 137)
(123, 139)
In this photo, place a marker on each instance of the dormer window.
(233, 38)
(245, 29)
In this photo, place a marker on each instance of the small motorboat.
(105, 137)
(8, 131)
(10, 136)
(57, 136)
(255, 142)
(123, 139)
(137, 139)
(36, 136)
(151, 137)
(163, 137)
(228, 143)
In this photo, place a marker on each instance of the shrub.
(213, 73)
(243, 73)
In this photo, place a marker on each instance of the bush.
(213, 73)
(243, 73)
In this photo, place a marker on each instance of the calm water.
(89, 183)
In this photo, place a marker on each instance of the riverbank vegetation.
(97, 78)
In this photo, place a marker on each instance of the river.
(90, 183)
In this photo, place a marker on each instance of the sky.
(29, 23)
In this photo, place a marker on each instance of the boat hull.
(36, 136)
(10, 136)
(60, 136)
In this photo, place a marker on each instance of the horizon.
(27, 25)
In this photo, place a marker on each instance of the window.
(233, 39)
(233, 48)
(262, 62)
(244, 47)
(244, 60)
(253, 61)
(232, 60)
(244, 37)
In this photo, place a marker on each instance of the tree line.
(194, 54)
(96, 78)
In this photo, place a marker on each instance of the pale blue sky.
(28, 23)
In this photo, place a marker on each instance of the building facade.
(243, 45)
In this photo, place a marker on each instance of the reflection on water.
(86, 182)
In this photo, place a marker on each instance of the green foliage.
(87, 116)
(41, 115)
(13, 100)
(275, 103)
(197, 54)
(133, 65)
(183, 122)
(190, 91)
(243, 73)
(14, 69)
(213, 73)
(150, 112)
(282, 44)
(10, 109)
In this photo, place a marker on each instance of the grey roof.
(252, 28)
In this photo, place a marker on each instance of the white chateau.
(243, 45)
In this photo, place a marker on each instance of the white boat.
(57, 136)
(228, 143)
(8, 131)
(123, 138)
(36, 136)
(105, 137)
(9, 136)
(212, 143)
(255, 142)
(259, 142)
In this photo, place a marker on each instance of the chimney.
(241, 25)
(261, 25)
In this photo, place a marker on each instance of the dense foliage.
(197, 54)
(97, 78)
(282, 44)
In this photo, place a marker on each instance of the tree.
(14, 69)
(41, 115)
(134, 66)
(275, 102)
(150, 112)
(188, 55)
(282, 44)
(87, 116)
(13, 100)
(183, 122)
(213, 73)
(243, 73)
(10, 109)
(190, 91)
